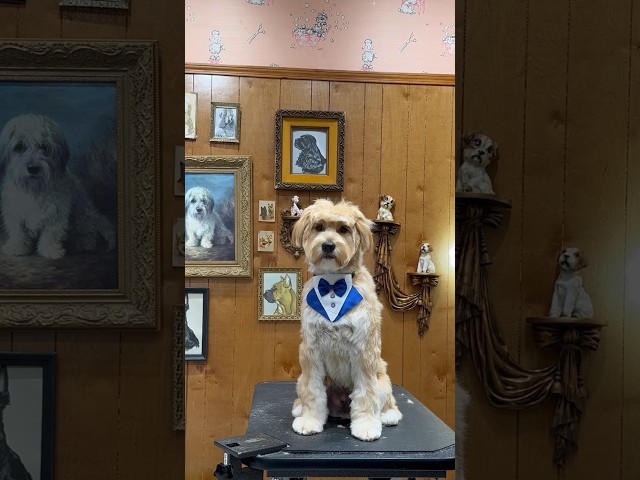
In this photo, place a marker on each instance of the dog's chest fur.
(34, 211)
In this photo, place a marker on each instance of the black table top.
(420, 443)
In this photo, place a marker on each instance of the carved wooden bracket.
(286, 225)
(425, 281)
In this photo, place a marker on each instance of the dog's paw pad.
(391, 417)
(366, 429)
(307, 425)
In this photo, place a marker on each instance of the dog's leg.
(311, 405)
(570, 300)
(556, 308)
(390, 414)
(17, 243)
(51, 240)
(366, 397)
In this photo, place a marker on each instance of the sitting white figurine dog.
(478, 151)
(386, 204)
(570, 299)
(203, 226)
(425, 263)
(295, 210)
(342, 372)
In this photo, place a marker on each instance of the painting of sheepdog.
(59, 185)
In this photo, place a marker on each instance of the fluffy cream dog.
(478, 151)
(45, 208)
(202, 225)
(570, 299)
(342, 371)
(425, 263)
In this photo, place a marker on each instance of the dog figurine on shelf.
(570, 299)
(386, 204)
(425, 263)
(478, 151)
(296, 211)
(342, 370)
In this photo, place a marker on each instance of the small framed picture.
(178, 184)
(266, 211)
(196, 323)
(27, 408)
(178, 243)
(95, 3)
(266, 241)
(225, 122)
(279, 292)
(309, 150)
(190, 115)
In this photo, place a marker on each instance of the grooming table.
(421, 445)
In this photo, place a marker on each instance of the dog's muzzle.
(268, 296)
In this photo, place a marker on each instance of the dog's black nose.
(328, 247)
(199, 209)
(33, 169)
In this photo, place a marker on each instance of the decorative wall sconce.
(385, 279)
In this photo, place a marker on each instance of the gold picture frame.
(220, 186)
(225, 122)
(279, 293)
(309, 150)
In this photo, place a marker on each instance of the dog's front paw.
(16, 248)
(307, 425)
(206, 243)
(367, 428)
(50, 250)
(391, 417)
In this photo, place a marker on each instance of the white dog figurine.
(45, 208)
(203, 225)
(342, 371)
(425, 263)
(386, 204)
(296, 211)
(570, 299)
(478, 151)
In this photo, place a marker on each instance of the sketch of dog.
(570, 299)
(310, 159)
(45, 208)
(11, 467)
(340, 358)
(386, 204)
(282, 294)
(478, 151)
(203, 225)
(425, 263)
(190, 337)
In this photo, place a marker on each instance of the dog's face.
(295, 199)
(33, 151)
(425, 248)
(478, 149)
(387, 202)
(305, 142)
(572, 259)
(333, 236)
(198, 203)
(279, 290)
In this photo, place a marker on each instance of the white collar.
(333, 304)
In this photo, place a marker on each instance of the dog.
(341, 366)
(296, 211)
(190, 337)
(282, 294)
(310, 159)
(386, 204)
(425, 264)
(12, 467)
(45, 208)
(478, 151)
(203, 225)
(570, 299)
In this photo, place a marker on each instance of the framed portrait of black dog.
(279, 293)
(309, 150)
(196, 323)
(27, 413)
(79, 184)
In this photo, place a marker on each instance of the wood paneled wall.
(114, 390)
(399, 140)
(556, 85)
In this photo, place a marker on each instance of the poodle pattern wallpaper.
(405, 36)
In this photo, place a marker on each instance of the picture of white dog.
(203, 225)
(46, 210)
(386, 204)
(342, 372)
(570, 299)
(478, 151)
(425, 263)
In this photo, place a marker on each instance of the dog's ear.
(187, 199)
(287, 281)
(583, 260)
(363, 228)
(467, 137)
(210, 205)
(300, 227)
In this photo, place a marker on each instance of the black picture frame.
(30, 380)
(196, 323)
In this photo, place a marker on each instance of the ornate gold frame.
(298, 273)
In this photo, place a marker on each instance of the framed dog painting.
(225, 122)
(196, 323)
(190, 115)
(79, 226)
(27, 412)
(309, 150)
(279, 293)
(217, 210)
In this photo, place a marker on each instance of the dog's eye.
(490, 148)
(193, 200)
(319, 227)
(20, 147)
(46, 149)
(344, 229)
(476, 142)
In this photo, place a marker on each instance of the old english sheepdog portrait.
(58, 203)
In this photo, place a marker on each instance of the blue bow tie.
(324, 287)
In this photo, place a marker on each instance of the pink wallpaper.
(407, 36)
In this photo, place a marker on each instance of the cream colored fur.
(341, 355)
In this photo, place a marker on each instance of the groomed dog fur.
(342, 371)
(203, 226)
(45, 208)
